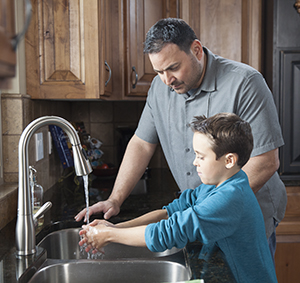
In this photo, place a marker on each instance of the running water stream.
(86, 191)
(89, 255)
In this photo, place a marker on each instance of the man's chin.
(179, 90)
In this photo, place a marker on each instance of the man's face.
(177, 69)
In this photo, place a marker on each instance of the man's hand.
(108, 207)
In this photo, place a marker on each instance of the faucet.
(25, 228)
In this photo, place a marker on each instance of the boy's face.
(210, 170)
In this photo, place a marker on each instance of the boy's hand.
(101, 222)
(95, 236)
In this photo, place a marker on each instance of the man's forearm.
(261, 168)
(133, 166)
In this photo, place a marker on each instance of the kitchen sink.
(112, 271)
(67, 262)
(63, 244)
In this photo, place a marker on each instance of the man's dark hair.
(169, 30)
(228, 133)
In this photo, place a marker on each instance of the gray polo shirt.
(228, 86)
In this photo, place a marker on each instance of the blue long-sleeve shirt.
(228, 216)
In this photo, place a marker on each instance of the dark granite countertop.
(68, 198)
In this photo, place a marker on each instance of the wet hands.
(108, 207)
(95, 235)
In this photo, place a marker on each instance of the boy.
(221, 211)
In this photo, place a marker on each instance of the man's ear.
(196, 49)
(230, 160)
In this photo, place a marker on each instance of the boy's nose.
(194, 162)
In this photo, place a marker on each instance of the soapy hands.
(95, 235)
(99, 233)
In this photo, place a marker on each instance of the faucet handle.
(45, 207)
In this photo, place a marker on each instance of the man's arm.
(137, 156)
(261, 168)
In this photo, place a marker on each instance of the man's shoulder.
(226, 67)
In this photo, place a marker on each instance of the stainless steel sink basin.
(112, 271)
(63, 244)
(68, 262)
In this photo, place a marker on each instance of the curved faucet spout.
(25, 230)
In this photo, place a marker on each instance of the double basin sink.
(67, 262)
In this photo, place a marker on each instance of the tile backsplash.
(101, 120)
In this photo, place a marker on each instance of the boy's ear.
(230, 160)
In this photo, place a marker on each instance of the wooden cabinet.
(287, 254)
(7, 31)
(112, 49)
(287, 259)
(231, 28)
(140, 16)
(73, 47)
(285, 44)
(66, 46)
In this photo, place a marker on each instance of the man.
(193, 81)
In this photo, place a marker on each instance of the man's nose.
(168, 78)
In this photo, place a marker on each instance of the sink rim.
(50, 264)
(166, 253)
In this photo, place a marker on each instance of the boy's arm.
(151, 217)
(96, 237)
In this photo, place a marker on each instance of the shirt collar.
(209, 81)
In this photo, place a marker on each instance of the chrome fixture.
(25, 229)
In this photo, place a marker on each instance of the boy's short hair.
(228, 134)
(169, 30)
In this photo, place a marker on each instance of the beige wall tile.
(12, 121)
(10, 153)
(11, 177)
(28, 114)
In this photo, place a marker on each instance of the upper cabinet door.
(112, 52)
(229, 28)
(62, 50)
(7, 31)
(141, 15)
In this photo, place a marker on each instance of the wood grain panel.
(141, 15)
(290, 225)
(62, 50)
(7, 31)
(287, 258)
(229, 28)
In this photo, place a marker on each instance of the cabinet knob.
(136, 77)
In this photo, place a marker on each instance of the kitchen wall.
(101, 120)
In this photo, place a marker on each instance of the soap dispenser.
(37, 193)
